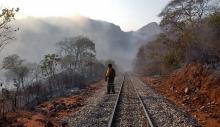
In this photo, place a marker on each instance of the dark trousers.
(110, 88)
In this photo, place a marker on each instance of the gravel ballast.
(162, 112)
(129, 113)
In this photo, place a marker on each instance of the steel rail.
(116, 103)
(150, 123)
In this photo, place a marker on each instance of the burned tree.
(6, 16)
(16, 71)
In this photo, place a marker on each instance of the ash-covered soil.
(52, 112)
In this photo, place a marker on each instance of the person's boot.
(113, 89)
(108, 89)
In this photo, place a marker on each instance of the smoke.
(38, 36)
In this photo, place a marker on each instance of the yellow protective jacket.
(110, 75)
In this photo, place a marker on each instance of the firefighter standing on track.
(110, 77)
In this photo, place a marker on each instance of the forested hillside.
(190, 33)
(183, 62)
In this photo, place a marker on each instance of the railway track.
(133, 105)
(129, 109)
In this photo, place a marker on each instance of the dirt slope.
(194, 88)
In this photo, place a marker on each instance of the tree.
(36, 72)
(209, 37)
(98, 69)
(78, 52)
(48, 64)
(180, 13)
(6, 16)
(184, 21)
(49, 68)
(214, 23)
(140, 60)
(21, 72)
(183, 18)
(149, 57)
(67, 62)
(16, 71)
(11, 62)
(15, 65)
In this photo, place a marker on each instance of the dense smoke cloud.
(38, 36)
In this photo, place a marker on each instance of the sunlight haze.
(128, 14)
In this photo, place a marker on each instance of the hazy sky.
(128, 14)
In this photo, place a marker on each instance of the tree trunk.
(15, 101)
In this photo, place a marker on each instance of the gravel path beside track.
(162, 112)
(97, 111)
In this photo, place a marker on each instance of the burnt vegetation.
(73, 67)
(190, 34)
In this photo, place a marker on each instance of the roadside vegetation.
(72, 67)
(183, 62)
(190, 33)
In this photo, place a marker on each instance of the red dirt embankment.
(194, 88)
(49, 114)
